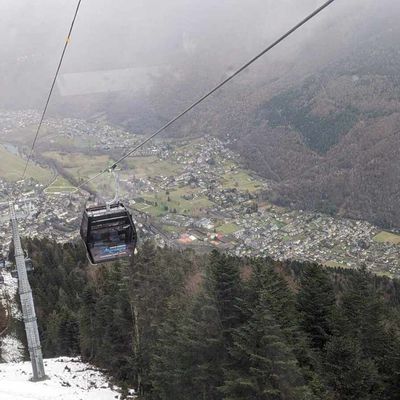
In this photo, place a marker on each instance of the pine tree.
(351, 376)
(192, 352)
(144, 297)
(266, 367)
(169, 362)
(364, 317)
(316, 302)
(68, 332)
(50, 343)
(87, 318)
(355, 358)
(224, 284)
(154, 276)
(205, 342)
(283, 308)
(390, 365)
(187, 362)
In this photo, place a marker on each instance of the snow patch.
(12, 350)
(69, 379)
(10, 288)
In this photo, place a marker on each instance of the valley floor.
(182, 193)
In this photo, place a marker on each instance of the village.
(193, 193)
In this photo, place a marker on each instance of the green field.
(25, 135)
(240, 180)
(12, 167)
(79, 164)
(60, 189)
(49, 137)
(228, 229)
(148, 167)
(387, 237)
(173, 229)
(60, 185)
(191, 146)
(83, 167)
(335, 264)
(61, 182)
(174, 201)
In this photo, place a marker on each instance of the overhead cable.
(196, 103)
(52, 88)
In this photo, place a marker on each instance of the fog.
(195, 41)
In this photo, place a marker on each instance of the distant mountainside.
(331, 143)
(329, 140)
(321, 122)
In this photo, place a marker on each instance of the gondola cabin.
(109, 233)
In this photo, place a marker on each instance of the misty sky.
(218, 35)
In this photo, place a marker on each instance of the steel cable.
(51, 88)
(201, 99)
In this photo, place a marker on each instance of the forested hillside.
(328, 139)
(177, 325)
(320, 120)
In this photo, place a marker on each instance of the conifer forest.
(176, 325)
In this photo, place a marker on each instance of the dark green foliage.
(350, 375)
(168, 372)
(294, 108)
(176, 326)
(188, 359)
(113, 324)
(363, 311)
(87, 319)
(265, 365)
(154, 277)
(316, 302)
(365, 337)
(203, 336)
(58, 281)
(224, 284)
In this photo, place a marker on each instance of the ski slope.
(69, 379)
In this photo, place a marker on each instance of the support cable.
(201, 99)
(52, 88)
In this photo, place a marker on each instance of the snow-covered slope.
(12, 349)
(69, 379)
